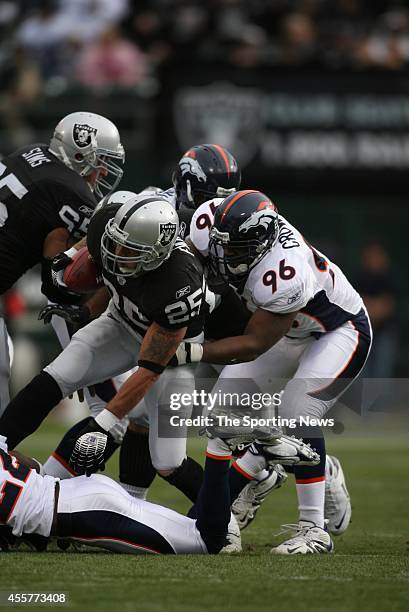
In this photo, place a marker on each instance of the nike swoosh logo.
(340, 522)
(291, 550)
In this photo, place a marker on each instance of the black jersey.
(173, 295)
(38, 193)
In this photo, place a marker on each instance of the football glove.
(72, 313)
(90, 445)
(187, 352)
(58, 265)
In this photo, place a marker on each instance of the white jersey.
(168, 194)
(26, 498)
(292, 277)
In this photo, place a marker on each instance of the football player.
(46, 187)
(308, 325)
(158, 298)
(97, 511)
(204, 171)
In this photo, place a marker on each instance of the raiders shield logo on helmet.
(167, 233)
(82, 134)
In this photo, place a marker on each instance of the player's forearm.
(236, 349)
(158, 347)
(131, 392)
(263, 331)
(98, 302)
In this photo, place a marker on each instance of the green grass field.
(369, 570)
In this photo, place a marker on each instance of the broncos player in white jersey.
(308, 326)
(99, 512)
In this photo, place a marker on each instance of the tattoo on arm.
(160, 344)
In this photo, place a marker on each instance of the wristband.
(71, 252)
(151, 365)
(196, 351)
(106, 419)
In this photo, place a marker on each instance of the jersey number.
(285, 273)
(71, 219)
(10, 182)
(182, 311)
(10, 491)
(204, 220)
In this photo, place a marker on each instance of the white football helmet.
(86, 142)
(148, 227)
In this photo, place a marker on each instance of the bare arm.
(33, 464)
(158, 346)
(59, 240)
(98, 302)
(263, 331)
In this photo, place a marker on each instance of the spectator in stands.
(375, 284)
(111, 61)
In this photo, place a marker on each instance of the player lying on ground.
(308, 326)
(99, 512)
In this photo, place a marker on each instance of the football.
(82, 275)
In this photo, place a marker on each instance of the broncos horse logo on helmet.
(204, 172)
(244, 230)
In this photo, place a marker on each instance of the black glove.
(90, 445)
(56, 294)
(72, 313)
(58, 265)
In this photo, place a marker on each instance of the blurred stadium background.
(311, 96)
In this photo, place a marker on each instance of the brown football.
(82, 275)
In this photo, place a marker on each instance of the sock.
(310, 485)
(138, 492)
(187, 478)
(245, 469)
(136, 472)
(213, 502)
(57, 467)
(217, 448)
(28, 409)
(311, 499)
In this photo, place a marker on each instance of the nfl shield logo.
(82, 134)
(167, 232)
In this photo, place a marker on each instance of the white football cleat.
(308, 539)
(233, 538)
(287, 450)
(252, 496)
(238, 436)
(337, 508)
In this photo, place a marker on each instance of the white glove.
(189, 352)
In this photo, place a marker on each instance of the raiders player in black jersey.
(158, 298)
(45, 187)
(204, 171)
